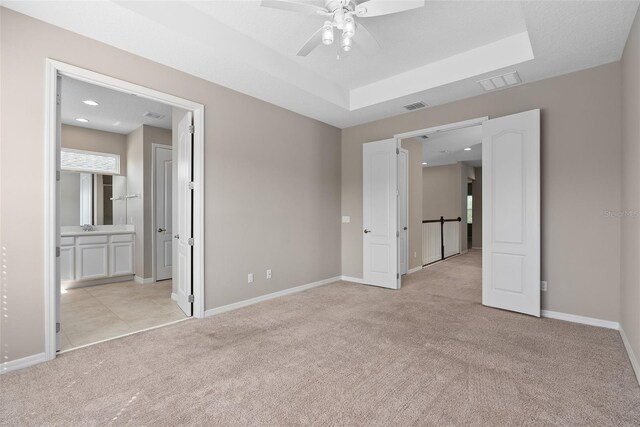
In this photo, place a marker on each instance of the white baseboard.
(413, 270)
(143, 281)
(72, 284)
(580, 319)
(251, 301)
(25, 362)
(174, 296)
(351, 279)
(632, 356)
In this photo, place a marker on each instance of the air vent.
(424, 136)
(415, 106)
(153, 115)
(500, 82)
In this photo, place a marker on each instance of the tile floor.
(95, 313)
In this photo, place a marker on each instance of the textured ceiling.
(117, 111)
(252, 49)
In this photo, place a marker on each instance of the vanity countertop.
(100, 230)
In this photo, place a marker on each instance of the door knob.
(161, 230)
(404, 228)
(367, 231)
(177, 236)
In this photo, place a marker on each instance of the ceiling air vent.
(153, 115)
(424, 136)
(415, 106)
(501, 81)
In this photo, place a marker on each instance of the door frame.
(154, 147)
(54, 68)
(406, 211)
(430, 130)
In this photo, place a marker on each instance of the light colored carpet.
(343, 354)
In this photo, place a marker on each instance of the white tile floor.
(96, 313)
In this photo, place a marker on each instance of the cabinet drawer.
(91, 240)
(119, 238)
(67, 241)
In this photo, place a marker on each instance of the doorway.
(116, 253)
(510, 210)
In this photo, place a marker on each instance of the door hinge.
(397, 151)
(191, 185)
(57, 175)
(397, 275)
(397, 234)
(190, 298)
(58, 328)
(57, 99)
(191, 129)
(57, 251)
(191, 241)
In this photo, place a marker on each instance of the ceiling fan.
(341, 15)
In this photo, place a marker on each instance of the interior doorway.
(510, 186)
(100, 250)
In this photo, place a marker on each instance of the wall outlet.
(269, 274)
(346, 219)
(415, 254)
(543, 286)
(250, 278)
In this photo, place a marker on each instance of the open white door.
(403, 210)
(380, 213)
(184, 238)
(163, 216)
(58, 287)
(511, 213)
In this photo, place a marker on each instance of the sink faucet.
(88, 227)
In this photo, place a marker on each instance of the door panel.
(403, 210)
(380, 212)
(511, 213)
(184, 207)
(163, 215)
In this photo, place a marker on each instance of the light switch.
(346, 219)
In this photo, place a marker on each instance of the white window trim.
(95, 153)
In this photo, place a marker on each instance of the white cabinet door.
(121, 256)
(92, 261)
(67, 263)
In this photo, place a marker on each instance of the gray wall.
(441, 191)
(95, 140)
(69, 198)
(272, 179)
(476, 192)
(414, 195)
(135, 185)
(581, 131)
(630, 224)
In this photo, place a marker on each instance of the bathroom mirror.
(91, 198)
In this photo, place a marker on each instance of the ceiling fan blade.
(311, 44)
(371, 8)
(365, 40)
(293, 6)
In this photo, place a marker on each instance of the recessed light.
(82, 120)
(424, 163)
(90, 102)
(467, 149)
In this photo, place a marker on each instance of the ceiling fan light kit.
(342, 15)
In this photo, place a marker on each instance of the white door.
(184, 208)
(58, 288)
(380, 214)
(403, 210)
(163, 202)
(511, 213)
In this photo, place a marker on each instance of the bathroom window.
(89, 161)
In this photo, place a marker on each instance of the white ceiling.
(434, 54)
(447, 148)
(117, 112)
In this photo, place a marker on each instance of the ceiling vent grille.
(501, 81)
(153, 115)
(424, 136)
(415, 106)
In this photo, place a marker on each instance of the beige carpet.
(343, 354)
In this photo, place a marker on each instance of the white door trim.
(441, 128)
(154, 147)
(52, 69)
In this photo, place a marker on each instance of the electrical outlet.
(269, 274)
(415, 254)
(543, 286)
(250, 278)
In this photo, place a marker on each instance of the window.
(469, 209)
(89, 161)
